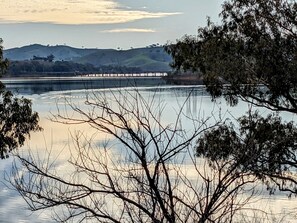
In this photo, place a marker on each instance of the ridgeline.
(34, 60)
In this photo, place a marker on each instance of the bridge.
(149, 74)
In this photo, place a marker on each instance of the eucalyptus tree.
(17, 119)
(251, 55)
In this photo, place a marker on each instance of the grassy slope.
(60, 52)
(148, 59)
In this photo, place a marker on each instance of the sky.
(102, 24)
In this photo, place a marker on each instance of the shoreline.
(187, 79)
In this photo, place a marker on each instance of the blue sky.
(102, 23)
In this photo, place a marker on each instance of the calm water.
(48, 94)
(43, 85)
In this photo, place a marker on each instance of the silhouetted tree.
(51, 58)
(256, 43)
(154, 177)
(17, 119)
(251, 56)
(3, 62)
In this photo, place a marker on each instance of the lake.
(49, 94)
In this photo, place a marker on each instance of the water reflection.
(43, 85)
(58, 138)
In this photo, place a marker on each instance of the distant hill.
(60, 52)
(147, 59)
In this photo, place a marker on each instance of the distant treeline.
(33, 67)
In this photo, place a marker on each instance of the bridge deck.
(157, 74)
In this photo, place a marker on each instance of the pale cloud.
(129, 30)
(71, 12)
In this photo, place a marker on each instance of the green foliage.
(3, 62)
(153, 59)
(251, 55)
(34, 67)
(265, 147)
(17, 119)
(256, 43)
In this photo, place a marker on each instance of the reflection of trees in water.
(193, 94)
(194, 100)
(147, 181)
(41, 86)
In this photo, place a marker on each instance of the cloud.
(129, 30)
(72, 12)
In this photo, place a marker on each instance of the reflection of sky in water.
(12, 207)
(58, 137)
